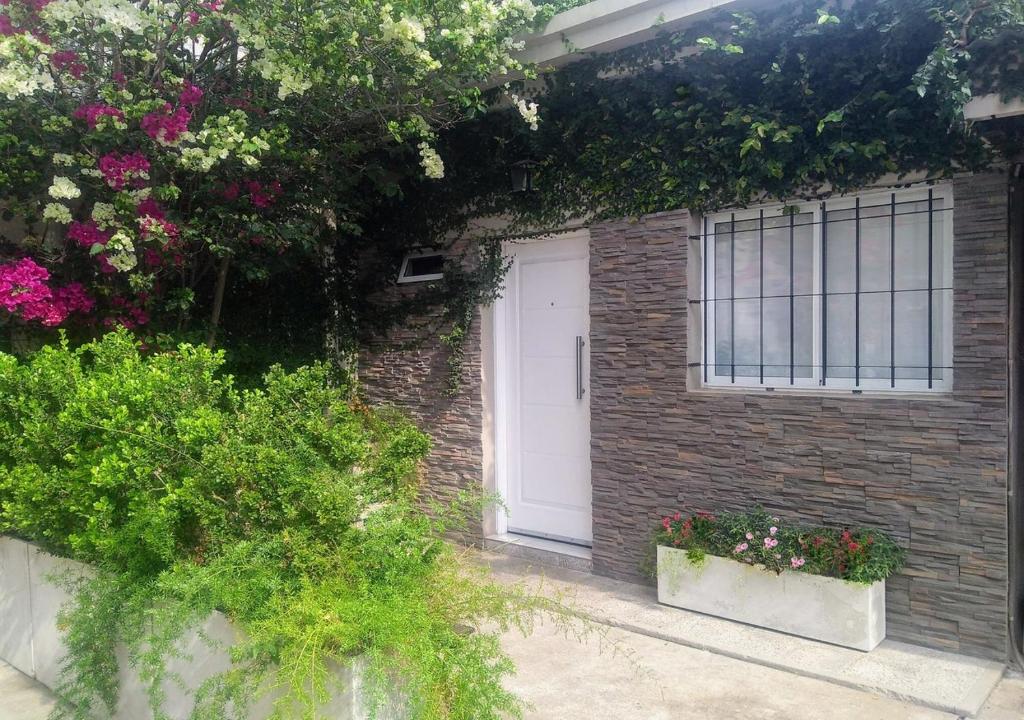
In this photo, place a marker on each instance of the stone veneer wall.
(415, 380)
(929, 470)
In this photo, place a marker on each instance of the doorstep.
(941, 680)
(549, 553)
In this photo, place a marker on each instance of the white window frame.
(403, 278)
(943, 299)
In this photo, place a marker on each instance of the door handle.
(579, 367)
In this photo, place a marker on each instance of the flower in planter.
(796, 562)
(770, 542)
(740, 548)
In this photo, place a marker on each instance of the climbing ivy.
(789, 101)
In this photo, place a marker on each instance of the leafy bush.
(292, 508)
(758, 538)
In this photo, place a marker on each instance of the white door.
(543, 404)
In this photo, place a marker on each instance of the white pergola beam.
(991, 107)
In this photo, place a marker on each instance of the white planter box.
(812, 606)
(31, 642)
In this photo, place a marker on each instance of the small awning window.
(422, 266)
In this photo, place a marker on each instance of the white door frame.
(505, 392)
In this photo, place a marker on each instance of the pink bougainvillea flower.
(68, 60)
(120, 170)
(151, 208)
(6, 26)
(166, 126)
(213, 5)
(23, 282)
(94, 112)
(193, 17)
(87, 234)
(190, 95)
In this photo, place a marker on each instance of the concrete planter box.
(811, 606)
(31, 642)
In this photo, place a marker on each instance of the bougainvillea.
(155, 144)
(27, 293)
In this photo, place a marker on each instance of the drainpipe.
(1015, 420)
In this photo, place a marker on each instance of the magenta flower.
(87, 234)
(119, 170)
(166, 126)
(190, 95)
(93, 113)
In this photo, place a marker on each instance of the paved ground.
(620, 675)
(635, 677)
(21, 697)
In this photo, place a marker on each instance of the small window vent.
(421, 266)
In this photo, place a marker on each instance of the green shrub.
(292, 508)
(758, 538)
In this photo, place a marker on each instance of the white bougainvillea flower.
(433, 166)
(529, 110)
(57, 213)
(63, 189)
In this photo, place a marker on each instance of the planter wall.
(31, 642)
(811, 606)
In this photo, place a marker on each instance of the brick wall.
(931, 471)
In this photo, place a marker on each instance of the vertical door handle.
(579, 367)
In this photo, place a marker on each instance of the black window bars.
(893, 209)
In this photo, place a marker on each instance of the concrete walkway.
(955, 684)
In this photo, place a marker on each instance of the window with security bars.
(851, 293)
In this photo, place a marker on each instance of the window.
(852, 293)
(421, 266)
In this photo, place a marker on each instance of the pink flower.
(750, 536)
(120, 79)
(119, 170)
(795, 562)
(68, 59)
(21, 282)
(193, 17)
(96, 111)
(740, 548)
(190, 95)
(166, 127)
(87, 234)
(770, 542)
(230, 191)
(151, 208)
(773, 529)
(6, 27)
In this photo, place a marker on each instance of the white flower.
(63, 159)
(433, 166)
(24, 66)
(57, 212)
(527, 110)
(63, 189)
(120, 251)
(103, 214)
